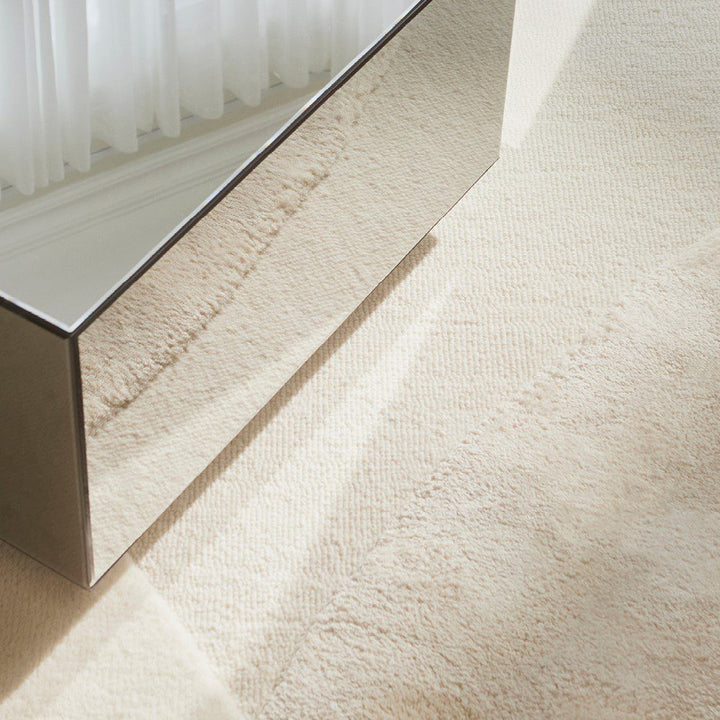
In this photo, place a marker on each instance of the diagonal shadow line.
(38, 607)
(266, 415)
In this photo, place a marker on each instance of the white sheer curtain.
(73, 70)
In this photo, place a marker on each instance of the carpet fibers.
(494, 491)
(565, 560)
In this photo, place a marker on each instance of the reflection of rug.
(565, 561)
(378, 199)
(148, 327)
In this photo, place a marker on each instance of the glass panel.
(186, 356)
(130, 114)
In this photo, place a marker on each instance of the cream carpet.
(565, 560)
(562, 571)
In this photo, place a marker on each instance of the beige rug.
(229, 604)
(565, 560)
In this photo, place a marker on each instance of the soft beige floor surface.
(229, 604)
(565, 560)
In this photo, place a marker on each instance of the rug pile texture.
(495, 492)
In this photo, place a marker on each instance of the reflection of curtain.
(72, 70)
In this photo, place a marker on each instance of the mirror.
(164, 367)
(100, 165)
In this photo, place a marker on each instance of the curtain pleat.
(242, 50)
(112, 85)
(70, 55)
(319, 20)
(76, 70)
(166, 87)
(199, 45)
(288, 41)
(16, 131)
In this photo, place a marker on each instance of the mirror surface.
(197, 345)
(134, 114)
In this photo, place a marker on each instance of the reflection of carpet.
(146, 329)
(565, 561)
(247, 575)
